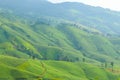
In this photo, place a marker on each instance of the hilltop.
(105, 20)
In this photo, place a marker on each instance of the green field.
(12, 68)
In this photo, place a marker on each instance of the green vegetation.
(64, 41)
(14, 68)
(44, 47)
(105, 20)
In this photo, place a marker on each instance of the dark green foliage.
(112, 64)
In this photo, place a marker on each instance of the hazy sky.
(112, 4)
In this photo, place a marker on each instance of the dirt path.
(44, 71)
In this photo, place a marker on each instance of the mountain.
(61, 41)
(105, 20)
(39, 42)
(40, 36)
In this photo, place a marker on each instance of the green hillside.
(65, 41)
(49, 48)
(27, 69)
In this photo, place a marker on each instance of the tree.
(102, 65)
(83, 60)
(105, 64)
(112, 64)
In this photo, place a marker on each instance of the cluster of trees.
(106, 65)
(67, 58)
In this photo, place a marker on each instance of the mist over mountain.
(105, 20)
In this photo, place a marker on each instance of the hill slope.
(105, 20)
(54, 49)
(32, 70)
(65, 41)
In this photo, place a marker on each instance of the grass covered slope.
(33, 48)
(67, 41)
(14, 68)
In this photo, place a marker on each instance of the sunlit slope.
(14, 39)
(14, 68)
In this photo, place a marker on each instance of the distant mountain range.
(104, 20)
